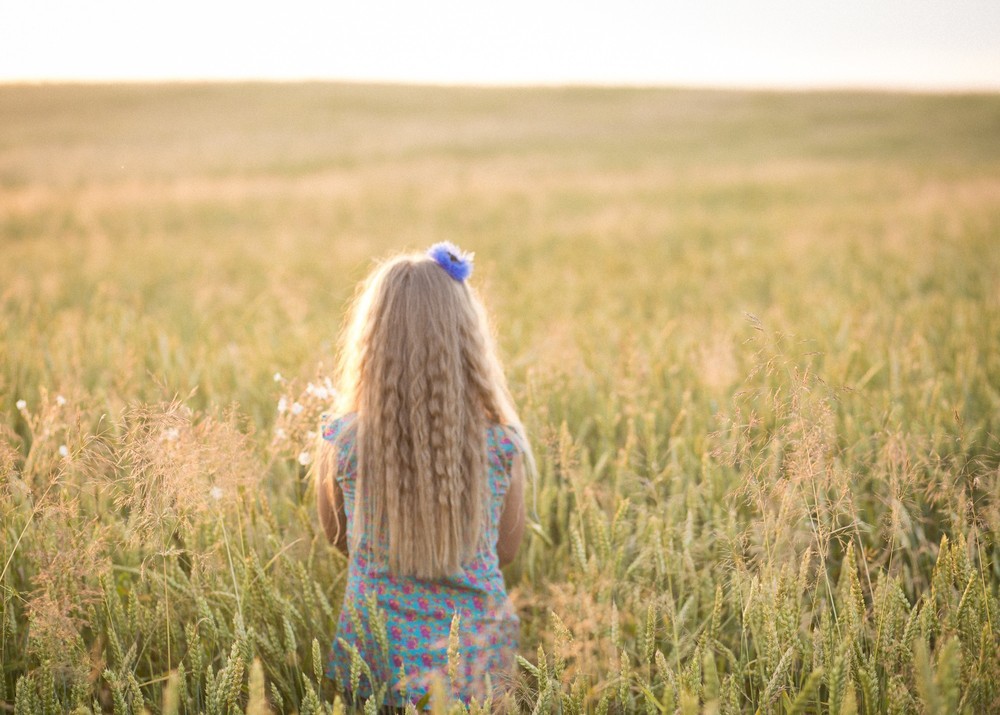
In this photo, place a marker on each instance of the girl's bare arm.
(330, 502)
(512, 518)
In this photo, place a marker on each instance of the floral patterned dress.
(418, 614)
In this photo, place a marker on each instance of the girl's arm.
(511, 527)
(330, 503)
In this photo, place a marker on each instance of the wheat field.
(754, 337)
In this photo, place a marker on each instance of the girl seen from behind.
(420, 480)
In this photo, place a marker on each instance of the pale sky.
(904, 44)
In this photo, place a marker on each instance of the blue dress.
(417, 613)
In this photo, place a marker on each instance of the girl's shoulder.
(502, 445)
(504, 439)
(339, 433)
(333, 427)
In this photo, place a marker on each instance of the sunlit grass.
(754, 337)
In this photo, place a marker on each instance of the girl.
(420, 481)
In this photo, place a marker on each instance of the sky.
(895, 44)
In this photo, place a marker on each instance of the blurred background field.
(755, 337)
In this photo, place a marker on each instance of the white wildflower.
(278, 377)
(171, 434)
(215, 493)
(297, 408)
(305, 458)
(63, 450)
(322, 393)
(282, 405)
(310, 389)
(60, 400)
(22, 405)
(280, 433)
(310, 435)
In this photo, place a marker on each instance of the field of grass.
(755, 338)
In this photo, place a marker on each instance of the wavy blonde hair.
(419, 367)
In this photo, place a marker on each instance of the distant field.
(755, 338)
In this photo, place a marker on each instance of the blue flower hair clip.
(457, 263)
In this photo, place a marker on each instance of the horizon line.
(791, 87)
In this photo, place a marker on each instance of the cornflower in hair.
(456, 262)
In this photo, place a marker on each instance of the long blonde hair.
(419, 367)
